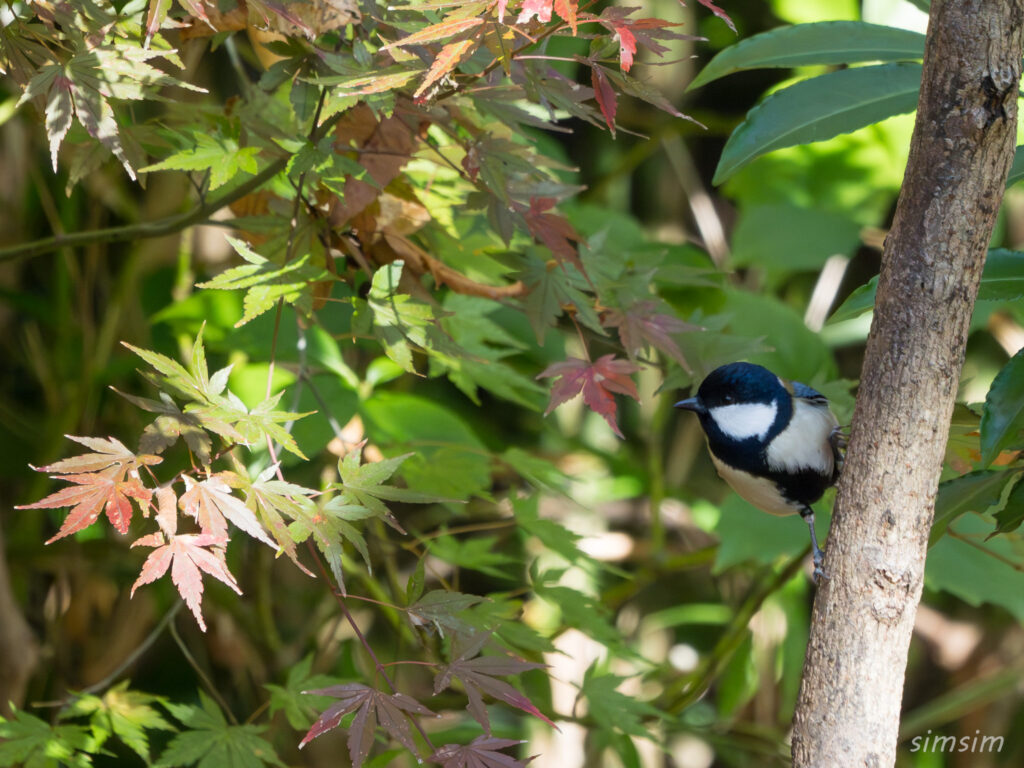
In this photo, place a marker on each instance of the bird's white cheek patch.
(745, 420)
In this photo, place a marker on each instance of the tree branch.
(161, 227)
(849, 704)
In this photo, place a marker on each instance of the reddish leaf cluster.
(599, 382)
(482, 752)
(372, 708)
(104, 481)
(478, 675)
(642, 325)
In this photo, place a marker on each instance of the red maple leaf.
(605, 95)
(553, 230)
(642, 325)
(482, 752)
(187, 557)
(645, 32)
(717, 11)
(92, 493)
(372, 708)
(598, 381)
(478, 676)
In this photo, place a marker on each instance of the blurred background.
(692, 628)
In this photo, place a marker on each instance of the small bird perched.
(775, 442)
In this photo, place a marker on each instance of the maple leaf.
(106, 453)
(539, 8)
(642, 325)
(553, 230)
(717, 11)
(362, 485)
(446, 61)
(477, 674)
(597, 381)
(188, 558)
(212, 503)
(208, 740)
(94, 492)
(372, 708)
(627, 46)
(605, 95)
(482, 752)
(567, 9)
(170, 424)
(645, 32)
(440, 31)
(441, 608)
(276, 499)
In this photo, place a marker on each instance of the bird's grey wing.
(813, 396)
(838, 439)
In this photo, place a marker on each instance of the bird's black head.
(734, 384)
(741, 406)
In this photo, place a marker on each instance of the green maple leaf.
(123, 713)
(220, 155)
(553, 287)
(300, 708)
(194, 383)
(170, 424)
(612, 710)
(210, 742)
(275, 500)
(265, 420)
(265, 281)
(28, 742)
(399, 322)
(363, 485)
(484, 345)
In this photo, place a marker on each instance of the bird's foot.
(819, 567)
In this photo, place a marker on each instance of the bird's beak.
(691, 404)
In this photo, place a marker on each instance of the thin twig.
(202, 675)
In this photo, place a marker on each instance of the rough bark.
(849, 704)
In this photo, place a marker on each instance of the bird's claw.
(819, 567)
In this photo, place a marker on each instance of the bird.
(775, 442)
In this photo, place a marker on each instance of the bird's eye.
(728, 398)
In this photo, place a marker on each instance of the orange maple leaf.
(188, 558)
(92, 493)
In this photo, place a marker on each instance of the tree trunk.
(849, 704)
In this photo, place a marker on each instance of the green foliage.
(210, 741)
(398, 272)
(1002, 420)
(819, 108)
(33, 743)
(827, 42)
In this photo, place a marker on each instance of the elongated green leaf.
(1003, 417)
(1011, 515)
(1003, 277)
(1001, 280)
(820, 108)
(973, 492)
(1017, 169)
(826, 42)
